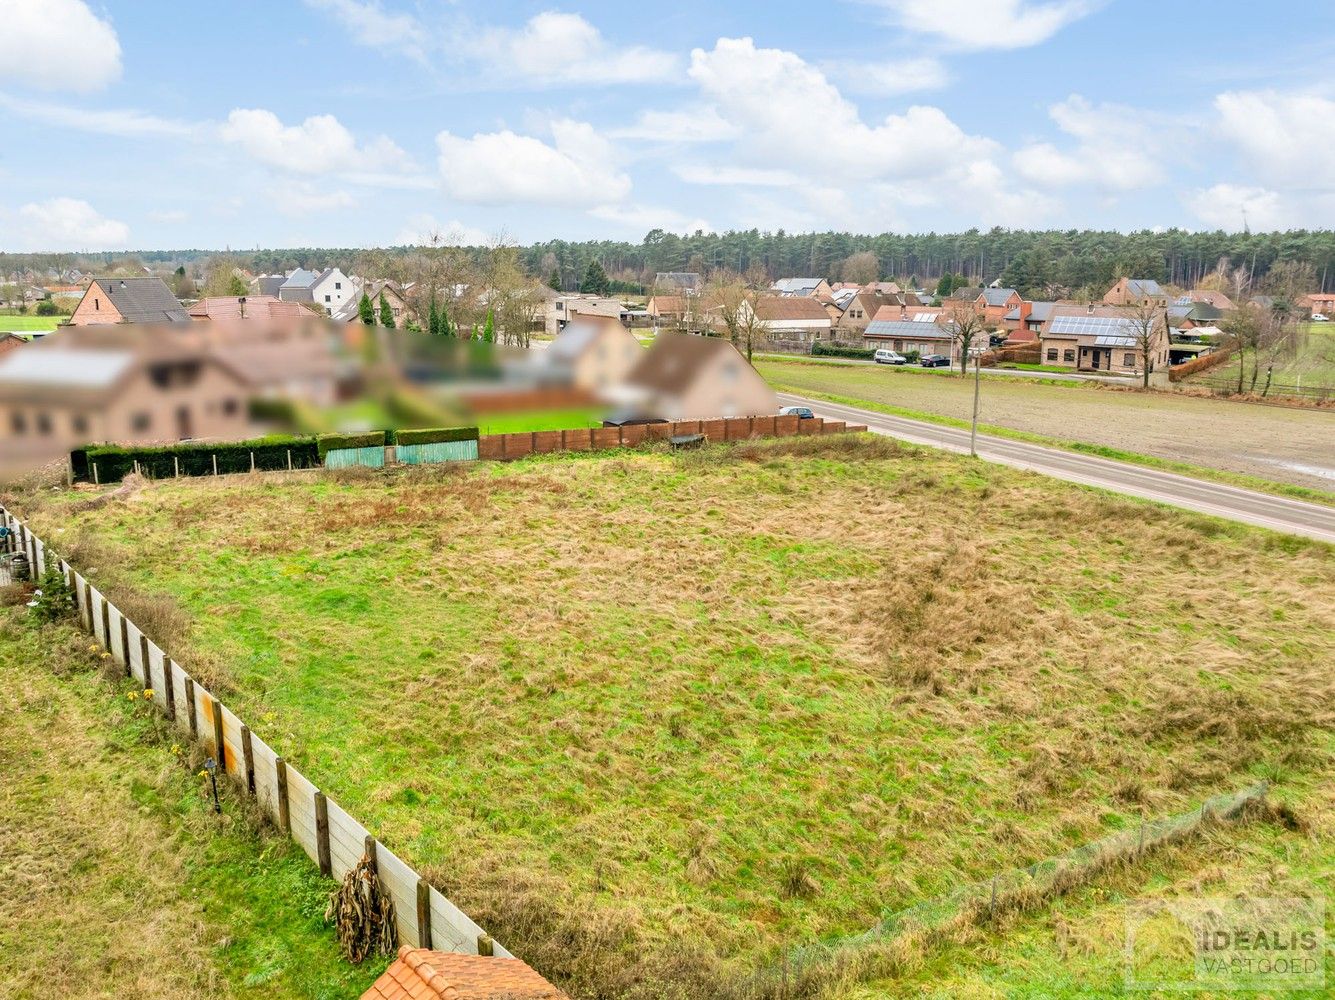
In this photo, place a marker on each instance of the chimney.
(1090, 308)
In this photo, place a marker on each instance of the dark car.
(630, 420)
(934, 361)
(801, 412)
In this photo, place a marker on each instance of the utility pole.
(977, 386)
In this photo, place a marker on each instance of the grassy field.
(539, 420)
(661, 717)
(1280, 444)
(120, 881)
(27, 324)
(1311, 365)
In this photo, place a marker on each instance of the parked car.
(1320, 318)
(885, 356)
(801, 412)
(934, 361)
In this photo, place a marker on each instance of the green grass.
(28, 324)
(621, 707)
(1311, 364)
(858, 392)
(540, 420)
(130, 884)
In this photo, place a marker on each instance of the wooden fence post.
(248, 758)
(88, 606)
(168, 687)
(284, 817)
(219, 747)
(369, 849)
(423, 914)
(106, 623)
(215, 463)
(322, 835)
(125, 643)
(190, 707)
(485, 945)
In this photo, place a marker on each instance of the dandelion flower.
(148, 692)
(132, 695)
(176, 748)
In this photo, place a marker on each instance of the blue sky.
(145, 123)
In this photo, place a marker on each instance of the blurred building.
(592, 352)
(684, 377)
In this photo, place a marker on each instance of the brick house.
(254, 308)
(128, 300)
(923, 329)
(800, 319)
(802, 287)
(1101, 338)
(685, 377)
(1025, 321)
(592, 352)
(994, 303)
(1136, 292)
(861, 310)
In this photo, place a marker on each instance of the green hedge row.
(115, 462)
(338, 442)
(436, 435)
(839, 351)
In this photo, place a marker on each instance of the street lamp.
(977, 354)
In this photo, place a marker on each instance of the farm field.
(1284, 444)
(656, 718)
(27, 324)
(119, 879)
(1311, 366)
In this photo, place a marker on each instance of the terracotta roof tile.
(419, 974)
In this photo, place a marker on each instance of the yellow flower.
(203, 774)
(132, 695)
(176, 748)
(148, 692)
(105, 655)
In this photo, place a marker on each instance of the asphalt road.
(1007, 372)
(1294, 517)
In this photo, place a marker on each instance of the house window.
(338, 286)
(230, 407)
(43, 423)
(1068, 355)
(326, 298)
(97, 304)
(79, 424)
(1052, 354)
(18, 423)
(140, 422)
(1129, 360)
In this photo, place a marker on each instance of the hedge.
(436, 435)
(194, 458)
(337, 442)
(839, 351)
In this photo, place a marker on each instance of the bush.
(56, 600)
(436, 435)
(115, 462)
(819, 349)
(913, 357)
(338, 442)
(47, 308)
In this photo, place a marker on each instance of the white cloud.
(1284, 136)
(763, 92)
(319, 145)
(708, 173)
(169, 216)
(126, 122)
(371, 25)
(554, 48)
(1227, 206)
(688, 125)
(988, 24)
(578, 170)
(57, 45)
(895, 76)
(1119, 148)
(296, 198)
(643, 218)
(68, 224)
(424, 231)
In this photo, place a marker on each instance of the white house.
(330, 288)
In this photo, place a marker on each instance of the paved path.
(1295, 517)
(1126, 380)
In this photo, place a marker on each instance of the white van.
(885, 356)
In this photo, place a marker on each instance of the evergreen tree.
(433, 319)
(445, 329)
(554, 282)
(366, 311)
(386, 313)
(236, 286)
(595, 280)
(489, 329)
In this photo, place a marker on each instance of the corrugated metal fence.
(333, 839)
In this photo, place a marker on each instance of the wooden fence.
(333, 839)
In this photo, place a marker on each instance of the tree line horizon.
(1026, 259)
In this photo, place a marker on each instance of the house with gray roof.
(128, 300)
(330, 288)
(817, 287)
(1136, 292)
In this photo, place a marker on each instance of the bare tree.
(966, 326)
(1243, 327)
(1277, 341)
(862, 268)
(1148, 324)
(752, 331)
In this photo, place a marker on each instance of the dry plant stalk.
(363, 915)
